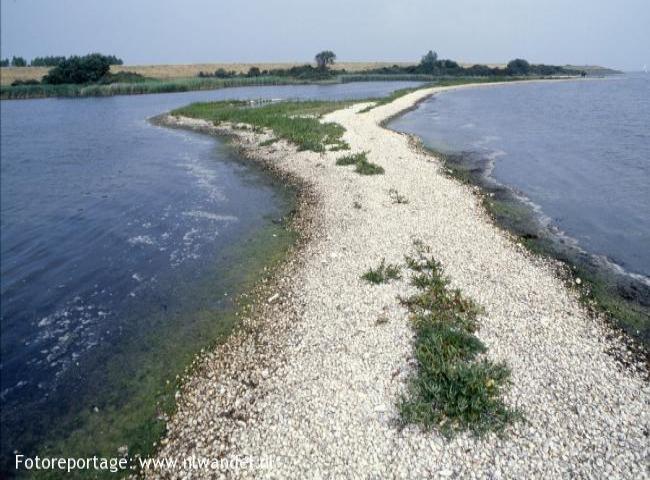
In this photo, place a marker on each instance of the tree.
(221, 73)
(89, 68)
(18, 62)
(518, 66)
(429, 62)
(46, 61)
(4, 62)
(113, 60)
(325, 58)
(253, 72)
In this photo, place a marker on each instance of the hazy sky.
(613, 33)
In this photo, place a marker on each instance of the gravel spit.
(308, 387)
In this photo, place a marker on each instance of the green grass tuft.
(394, 96)
(383, 274)
(351, 159)
(140, 87)
(453, 389)
(362, 165)
(368, 168)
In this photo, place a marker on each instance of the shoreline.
(300, 367)
(621, 297)
(181, 85)
(192, 84)
(586, 273)
(138, 416)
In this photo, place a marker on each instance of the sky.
(613, 33)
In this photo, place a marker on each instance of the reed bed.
(385, 77)
(150, 86)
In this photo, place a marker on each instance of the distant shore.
(176, 85)
(313, 386)
(173, 72)
(18, 83)
(176, 71)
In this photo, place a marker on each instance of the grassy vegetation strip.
(378, 77)
(361, 163)
(295, 121)
(454, 389)
(141, 87)
(149, 85)
(393, 96)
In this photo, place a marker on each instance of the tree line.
(95, 68)
(48, 61)
(303, 72)
(86, 69)
(429, 64)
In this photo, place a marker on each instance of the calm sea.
(119, 240)
(578, 150)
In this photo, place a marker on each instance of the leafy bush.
(303, 72)
(518, 66)
(17, 83)
(221, 73)
(122, 77)
(86, 69)
(254, 72)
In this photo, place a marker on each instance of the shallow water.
(579, 150)
(116, 233)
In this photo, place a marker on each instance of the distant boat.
(645, 68)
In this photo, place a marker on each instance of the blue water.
(111, 229)
(578, 150)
